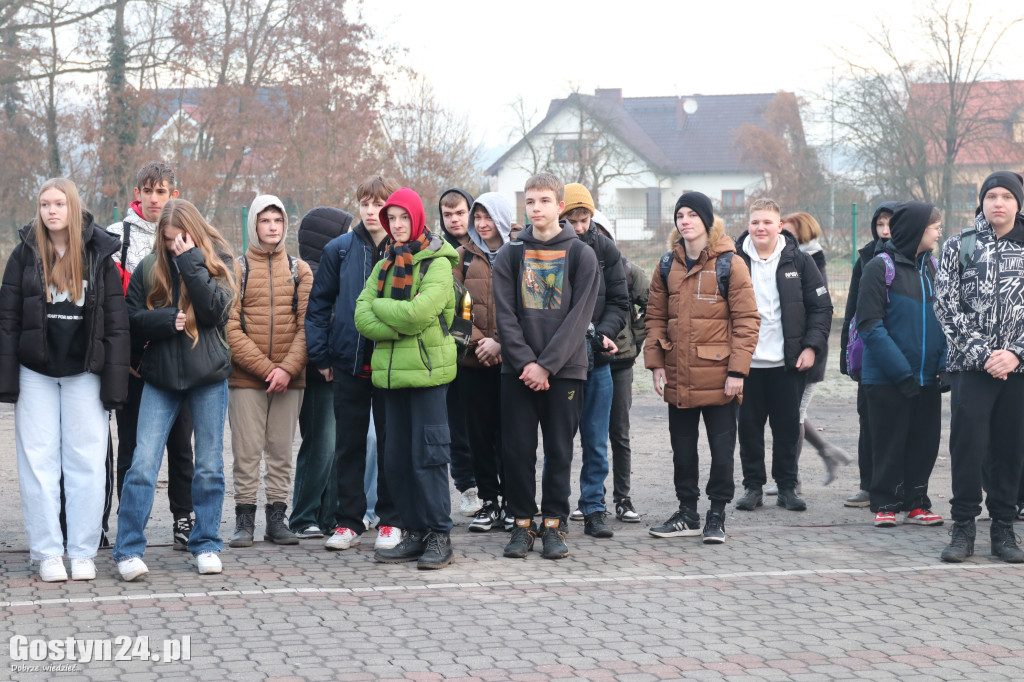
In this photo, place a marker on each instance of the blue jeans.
(315, 498)
(157, 412)
(597, 407)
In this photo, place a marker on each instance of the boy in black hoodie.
(454, 206)
(879, 236)
(545, 288)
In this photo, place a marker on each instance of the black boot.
(961, 544)
(1004, 542)
(520, 541)
(594, 525)
(411, 548)
(752, 498)
(790, 500)
(245, 524)
(277, 527)
(438, 553)
(554, 539)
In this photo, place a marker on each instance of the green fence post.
(853, 249)
(245, 231)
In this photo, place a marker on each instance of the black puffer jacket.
(170, 361)
(611, 312)
(806, 305)
(23, 315)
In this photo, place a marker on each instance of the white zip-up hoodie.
(770, 346)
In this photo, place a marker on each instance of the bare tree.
(909, 122)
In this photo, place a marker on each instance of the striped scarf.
(399, 255)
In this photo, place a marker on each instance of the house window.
(732, 198)
(965, 197)
(568, 151)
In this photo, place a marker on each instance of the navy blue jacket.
(331, 336)
(902, 336)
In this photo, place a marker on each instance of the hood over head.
(562, 240)
(699, 203)
(602, 221)
(500, 211)
(258, 205)
(411, 202)
(908, 223)
(884, 207)
(452, 239)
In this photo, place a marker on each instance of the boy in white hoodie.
(796, 316)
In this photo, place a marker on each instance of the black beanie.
(1007, 180)
(907, 226)
(699, 203)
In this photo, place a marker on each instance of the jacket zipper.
(924, 322)
(424, 354)
(359, 341)
(995, 290)
(270, 270)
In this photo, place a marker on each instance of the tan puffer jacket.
(695, 335)
(275, 336)
(478, 280)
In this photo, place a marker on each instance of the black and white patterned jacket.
(981, 309)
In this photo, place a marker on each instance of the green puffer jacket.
(412, 351)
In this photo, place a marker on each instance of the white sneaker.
(310, 532)
(387, 537)
(52, 570)
(208, 563)
(471, 504)
(576, 515)
(83, 569)
(343, 538)
(131, 568)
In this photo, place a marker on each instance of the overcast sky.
(480, 56)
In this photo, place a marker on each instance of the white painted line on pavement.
(505, 584)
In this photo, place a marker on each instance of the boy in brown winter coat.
(702, 328)
(267, 336)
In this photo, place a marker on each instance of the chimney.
(614, 94)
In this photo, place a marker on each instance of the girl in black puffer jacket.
(64, 363)
(178, 300)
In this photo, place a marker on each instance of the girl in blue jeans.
(64, 363)
(178, 302)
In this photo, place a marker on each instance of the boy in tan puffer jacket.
(267, 337)
(700, 340)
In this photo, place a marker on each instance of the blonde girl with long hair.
(179, 300)
(64, 364)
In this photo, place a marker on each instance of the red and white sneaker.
(387, 537)
(885, 519)
(923, 517)
(342, 538)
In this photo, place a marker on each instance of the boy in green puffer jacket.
(406, 309)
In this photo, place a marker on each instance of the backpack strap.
(890, 272)
(517, 267)
(665, 267)
(243, 262)
(467, 258)
(968, 243)
(126, 239)
(723, 269)
(293, 268)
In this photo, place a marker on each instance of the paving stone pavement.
(820, 595)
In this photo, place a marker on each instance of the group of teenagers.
(356, 344)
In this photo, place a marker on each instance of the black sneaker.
(554, 539)
(684, 523)
(486, 518)
(790, 500)
(181, 530)
(714, 528)
(594, 525)
(438, 553)
(751, 500)
(521, 541)
(411, 548)
(625, 512)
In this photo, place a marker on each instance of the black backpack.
(293, 267)
(461, 329)
(723, 267)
